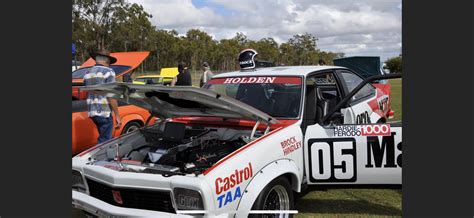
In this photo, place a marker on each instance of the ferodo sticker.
(225, 185)
(290, 145)
(362, 130)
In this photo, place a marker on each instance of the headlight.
(77, 181)
(187, 199)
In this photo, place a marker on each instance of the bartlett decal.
(224, 185)
(290, 145)
(362, 130)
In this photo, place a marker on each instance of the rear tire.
(131, 126)
(277, 195)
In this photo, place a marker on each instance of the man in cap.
(206, 75)
(183, 78)
(100, 107)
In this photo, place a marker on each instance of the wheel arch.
(283, 167)
(126, 119)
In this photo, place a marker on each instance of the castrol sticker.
(362, 130)
(228, 187)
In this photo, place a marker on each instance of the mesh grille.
(133, 198)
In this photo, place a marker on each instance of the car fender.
(126, 119)
(264, 177)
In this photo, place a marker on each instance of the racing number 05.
(332, 160)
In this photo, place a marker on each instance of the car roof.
(279, 71)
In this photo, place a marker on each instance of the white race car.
(244, 144)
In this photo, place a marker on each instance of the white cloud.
(363, 27)
(176, 14)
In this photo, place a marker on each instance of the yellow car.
(165, 77)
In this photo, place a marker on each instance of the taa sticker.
(332, 160)
(225, 185)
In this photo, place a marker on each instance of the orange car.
(84, 131)
(126, 63)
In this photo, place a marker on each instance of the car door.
(84, 131)
(350, 153)
(360, 110)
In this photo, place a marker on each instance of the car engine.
(175, 149)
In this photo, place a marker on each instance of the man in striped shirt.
(100, 107)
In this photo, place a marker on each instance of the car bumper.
(102, 209)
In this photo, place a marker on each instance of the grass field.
(349, 202)
(396, 98)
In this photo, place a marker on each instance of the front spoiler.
(102, 209)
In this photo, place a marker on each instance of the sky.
(354, 27)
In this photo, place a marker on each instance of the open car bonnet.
(178, 101)
(131, 59)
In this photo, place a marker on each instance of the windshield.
(277, 96)
(118, 69)
(150, 80)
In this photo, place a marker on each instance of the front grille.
(133, 198)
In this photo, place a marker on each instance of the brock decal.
(225, 185)
(290, 145)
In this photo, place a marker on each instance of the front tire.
(277, 195)
(130, 127)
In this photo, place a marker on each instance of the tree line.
(117, 25)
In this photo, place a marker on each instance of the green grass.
(396, 98)
(351, 202)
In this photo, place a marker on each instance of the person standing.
(321, 62)
(99, 107)
(184, 77)
(206, 75)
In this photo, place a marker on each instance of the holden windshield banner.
(257, 79)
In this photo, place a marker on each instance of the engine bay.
(171, 148)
